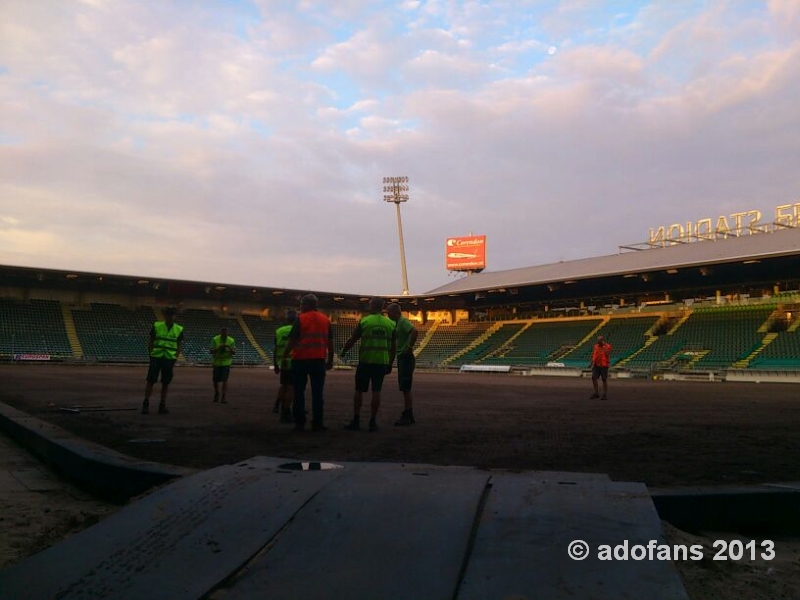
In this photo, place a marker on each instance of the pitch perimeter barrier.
(485, 368)
(108, 474)
(763, 375)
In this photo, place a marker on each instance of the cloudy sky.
(246, 141)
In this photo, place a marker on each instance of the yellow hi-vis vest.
(222, 358)
(376, 339)
(165, 344)
(281, 340)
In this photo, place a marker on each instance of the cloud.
(366, 55)
(785, 12)
(435, 68)
(591, 63)
(246, 143)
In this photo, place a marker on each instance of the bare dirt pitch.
(666, 434)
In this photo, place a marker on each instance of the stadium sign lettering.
(465, 253)
(477, 241)
(733, 225)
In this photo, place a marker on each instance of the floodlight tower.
(395, 189)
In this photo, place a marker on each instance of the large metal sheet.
(379, 531)
(527, 524)
(178, 542)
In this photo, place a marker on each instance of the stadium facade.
(717, 305)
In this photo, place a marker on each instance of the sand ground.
(666, 434)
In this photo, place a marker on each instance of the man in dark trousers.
(311, 348)
(406, 335)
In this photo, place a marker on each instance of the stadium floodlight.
(395, 189)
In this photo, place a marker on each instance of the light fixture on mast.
(395, 189)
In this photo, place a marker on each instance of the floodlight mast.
(395, 189)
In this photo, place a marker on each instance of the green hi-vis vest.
(281, 340)
(165, 344)
(223, 357)
(376, 339)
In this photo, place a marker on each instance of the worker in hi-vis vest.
(311, 348)
(283, 368)
(223, 347)
(166, 339)
(375, 358)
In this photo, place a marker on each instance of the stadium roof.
(753, 247)
(757, 264)
(166, 289)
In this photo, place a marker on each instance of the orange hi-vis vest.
(600, 355)
(313, 339)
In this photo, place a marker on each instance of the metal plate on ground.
(379, 531)
(521, 544)
(178, 542)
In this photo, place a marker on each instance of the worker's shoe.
(354, 425)
(407, 418)
(145, 407)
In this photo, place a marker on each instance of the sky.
(245, 142)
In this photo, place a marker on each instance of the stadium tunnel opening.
(753, 513)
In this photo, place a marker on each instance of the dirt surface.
(749, 577)
(38, 508)
(662, 433)
(666, 434)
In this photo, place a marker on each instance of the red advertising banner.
(465, 253)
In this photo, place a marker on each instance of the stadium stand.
(543, 342)
(625, 334)
(202, 325)
(705, 337)
(657, 350)
(263, 331)
(782, 353)
(495, 340)
(448, 340)
(112, 333)
(708, 339)
(727, 334)
(342, 329)
(33, 327)
(730, 305)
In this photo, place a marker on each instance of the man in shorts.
(283, 368)
(164, 347)
(375, 357)
(406, 335)
(601, 361)
(223, 347)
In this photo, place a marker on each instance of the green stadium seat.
(33, 327)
